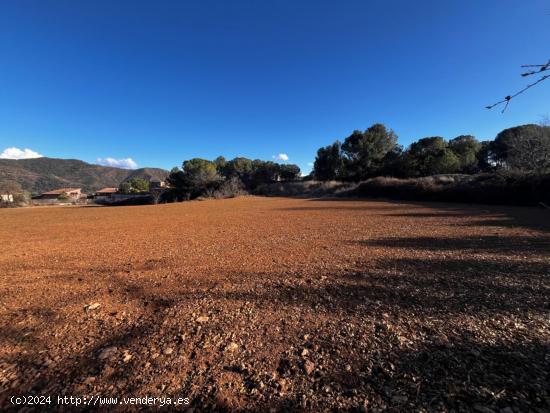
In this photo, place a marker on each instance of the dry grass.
(504, 188)
(305, 189)
(280, 303)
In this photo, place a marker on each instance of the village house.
(72, 194)
(105, 193)
(6, 198)
(157, 184)
(61, 195)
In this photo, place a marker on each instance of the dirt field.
(282, 304)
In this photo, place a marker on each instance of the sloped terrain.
(286, 304)
(44, 174)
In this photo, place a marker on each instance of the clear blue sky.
(164, 81)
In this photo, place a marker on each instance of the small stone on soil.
(108, 353)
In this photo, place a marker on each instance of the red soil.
(273, 303)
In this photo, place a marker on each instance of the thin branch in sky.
(541, 68)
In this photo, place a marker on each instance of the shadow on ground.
(536, 218)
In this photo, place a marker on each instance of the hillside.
(43, 174)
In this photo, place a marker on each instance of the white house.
(6, 197)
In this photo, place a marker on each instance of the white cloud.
(281, 157)
(126, 163)
(310, 164)
(16, 153)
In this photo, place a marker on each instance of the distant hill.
(44, 174)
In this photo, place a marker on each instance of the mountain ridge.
(38, 175)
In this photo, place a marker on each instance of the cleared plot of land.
(256, 303)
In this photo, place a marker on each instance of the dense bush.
(511, 188)
(229, 188)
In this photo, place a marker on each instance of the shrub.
(229, 188)
(304, 188)
(134, 186)
(491, 188)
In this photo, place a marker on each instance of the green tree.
(196, 177)
(264, 172)
(134, 186)
(466, 148)
(329, 163)
(393, 163)
(139, 185)
(446, 163)
(221, 163)
(125, 187)
(525, 147)
(289, 172)
(366, 150)
(199, 173)
(178, 188)
(484, 160)
(238, 167)
(431, 156)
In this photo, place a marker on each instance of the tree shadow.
(481, 215)
(463, 375)
(331, 209)
(526, 245)
(418, 353)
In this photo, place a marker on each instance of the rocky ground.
(278, 304)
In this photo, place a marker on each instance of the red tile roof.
(108, 190)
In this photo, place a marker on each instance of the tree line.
(223, 178)
(376, 152)
(362, 155)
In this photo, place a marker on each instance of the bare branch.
(542, 68)
(545, 64)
